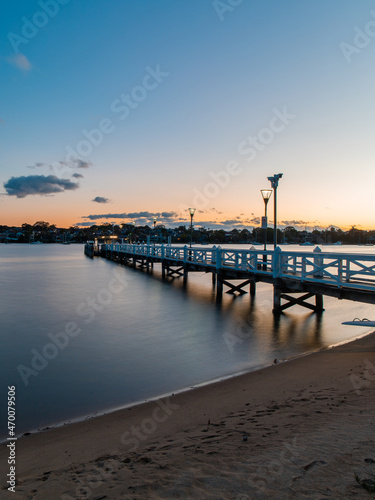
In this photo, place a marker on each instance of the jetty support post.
(319, 303)
(219, 288)
(276, 299)
(217, 257)
(252, 288)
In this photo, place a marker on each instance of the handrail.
(338, 269)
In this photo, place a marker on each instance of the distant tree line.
(49, 233)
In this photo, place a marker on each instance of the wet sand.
(295, 430)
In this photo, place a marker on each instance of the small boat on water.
(360, 322)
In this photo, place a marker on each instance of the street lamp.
(155, 219)
(266, 194)
(191, 212)
(274, 183)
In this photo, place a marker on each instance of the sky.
(120, 111)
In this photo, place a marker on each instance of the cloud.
(163, 216)
(226, 225)
(21, 62)
(37, 184)
(62, 164)
(254, 220)
(230, 222)
(37, 164)
(81, 163)
(169, 215)
(295, 222)
(75, 163)
(104, 216)
(100, 199)
(85, 224)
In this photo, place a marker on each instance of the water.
(135, 337)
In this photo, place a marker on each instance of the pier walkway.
(296, 276)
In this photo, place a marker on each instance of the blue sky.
(225, 70)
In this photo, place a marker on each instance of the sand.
(298, 429)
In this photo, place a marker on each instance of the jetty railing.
(337, 269)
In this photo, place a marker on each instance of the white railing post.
(186, 254)
(213, 255)
(339, 270)
(276, 263)
(347, 271)
(243, 260)
(236, 259)
(303, 268)
(283, 263)
(162, 251)
(219, 257)
(253, 258)
(318, 263)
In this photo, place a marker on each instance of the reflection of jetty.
(295, 276)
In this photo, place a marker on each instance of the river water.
(81, 337)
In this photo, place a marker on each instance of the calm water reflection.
(150, 338)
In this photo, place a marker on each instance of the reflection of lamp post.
(266, 194)
(274, 183)
(155, 219)
(192, 212)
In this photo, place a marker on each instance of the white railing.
(349, 270)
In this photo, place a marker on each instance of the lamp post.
(266, 194)
(274, 183)
(155, 219)
(191, 212)
(133, 224)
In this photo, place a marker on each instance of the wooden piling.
(319, 302)
(276, 300)
(219, 288)
(252, 288)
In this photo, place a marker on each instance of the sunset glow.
(122, 110)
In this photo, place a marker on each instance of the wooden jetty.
(296, 276)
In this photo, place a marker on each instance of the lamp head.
(192, 211)
(266, 193)
(275, 180)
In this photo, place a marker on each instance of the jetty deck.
(296, 276)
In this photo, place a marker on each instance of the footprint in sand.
(314, 464)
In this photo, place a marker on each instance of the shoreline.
(98, 414)
(209, 431)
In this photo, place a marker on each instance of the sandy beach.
(298, 429)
